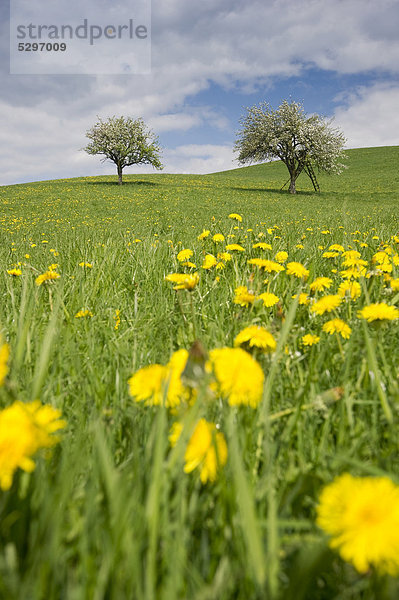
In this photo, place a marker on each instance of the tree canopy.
(301, 142)
(125, 142)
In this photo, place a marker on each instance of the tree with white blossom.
(125, 142)
(303, 143)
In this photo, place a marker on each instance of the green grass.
(111, 512)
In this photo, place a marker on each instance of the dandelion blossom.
(183, 281)
(83, 313)
(218, 237)
(361, 514)
(235, 216)
(262, 246)
(206, 450)
(379, 312)
(243, 296)
(147, 384)
(156, 383)
(268, 299)
(270, 266)
(4, 356)
(239, 377)
(338, 326)
(184, 255)
(310, 339)
(326, 304)
(281, 256)
(14, 272)
(237, 247)
(320, 284)
(298, 270)
(225, 256)
(256, 337)
(48, 277)
(24, 429)
(204, 234)
(352, 289)
(209, 262)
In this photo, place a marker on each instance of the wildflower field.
(200, 386)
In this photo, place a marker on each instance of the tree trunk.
(119, 174)
(292, 184)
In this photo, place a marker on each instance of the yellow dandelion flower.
(83, 313)
(204, 234)
(148, 384)
(14, 272)
(256, 337)
(351, 254)
(225, 256)
(239, 377)
(262, 246)
(354, 272)
(268, 299)
(320, 284)
(218, 237)
(235, 216)
(156, 383)
(337, 248)
(206, 450)
(184, 255)
(350, 288)
(177, 392)
(237, 247)
(47, 277)
(298, 270)
(243, 296)
(329, 254)
(209, 262)
(361, 514)
(394, 283)
(326, 304)
(183, 281)
(24, 429)
(189, 264)
(385, 267)
(268, 265)
(304, 299)
(310, 340)
(86, 265)
(378, 312)
(4, 356)
(338, 326)
(380, 258)
(47, 420)
(281, 256)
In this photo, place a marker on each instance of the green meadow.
(112, 511)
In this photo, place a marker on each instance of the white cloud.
(200, 158)
(370, 117)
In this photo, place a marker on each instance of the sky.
(209, 61)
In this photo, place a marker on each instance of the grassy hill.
(216, 373)
(179, 201)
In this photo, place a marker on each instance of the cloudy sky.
(210, 60)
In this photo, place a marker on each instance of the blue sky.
(340, 58)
